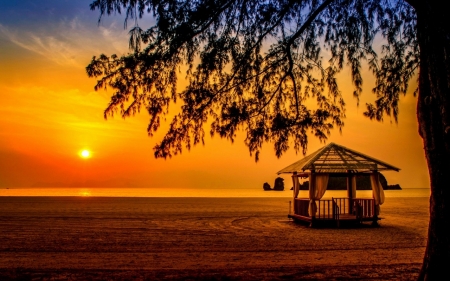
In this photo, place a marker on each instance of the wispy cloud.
(71, 42)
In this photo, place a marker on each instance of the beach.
(116, 238)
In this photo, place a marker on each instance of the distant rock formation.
(278, 186)
(362, 183)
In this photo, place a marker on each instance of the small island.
(278, 186)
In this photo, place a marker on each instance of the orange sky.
(50, 112)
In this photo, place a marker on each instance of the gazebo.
(337, 161)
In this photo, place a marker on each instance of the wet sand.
(101, 238)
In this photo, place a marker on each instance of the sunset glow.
(53, 131)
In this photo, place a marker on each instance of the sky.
(50, 112)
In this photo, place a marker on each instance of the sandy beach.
(111, 238)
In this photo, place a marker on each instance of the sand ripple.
(60, 238)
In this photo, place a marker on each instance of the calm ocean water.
(187, 192)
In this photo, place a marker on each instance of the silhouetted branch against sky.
(257, 66)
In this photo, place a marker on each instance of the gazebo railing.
(343, 204)
(363, 208)
(331, 208)
(325, 209)
(301, 206)
(335, 208)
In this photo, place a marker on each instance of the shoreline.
(194, 193)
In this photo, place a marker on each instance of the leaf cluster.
(255, 66)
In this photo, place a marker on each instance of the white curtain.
(296, 185)
(321, 184)
(317, 186)
(378, 192)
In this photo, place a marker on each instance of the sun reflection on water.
(85, 192)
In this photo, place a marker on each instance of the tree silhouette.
(256, 65)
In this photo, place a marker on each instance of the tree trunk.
(433, 112)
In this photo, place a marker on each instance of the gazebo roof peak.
(334, 158)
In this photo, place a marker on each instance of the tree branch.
(308, 22)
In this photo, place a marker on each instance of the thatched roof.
(334, 158)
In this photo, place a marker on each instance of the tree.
(253, 65)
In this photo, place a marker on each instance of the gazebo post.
(351, 190)
(294, 190)
(312, 202)
(376, 208)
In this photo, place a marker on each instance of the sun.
(85, 154)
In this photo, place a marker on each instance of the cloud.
(53, 48)
(69, 42)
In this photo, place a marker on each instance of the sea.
(191, 192)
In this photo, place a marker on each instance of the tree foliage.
(264, 67)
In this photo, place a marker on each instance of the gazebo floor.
(346, 219)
